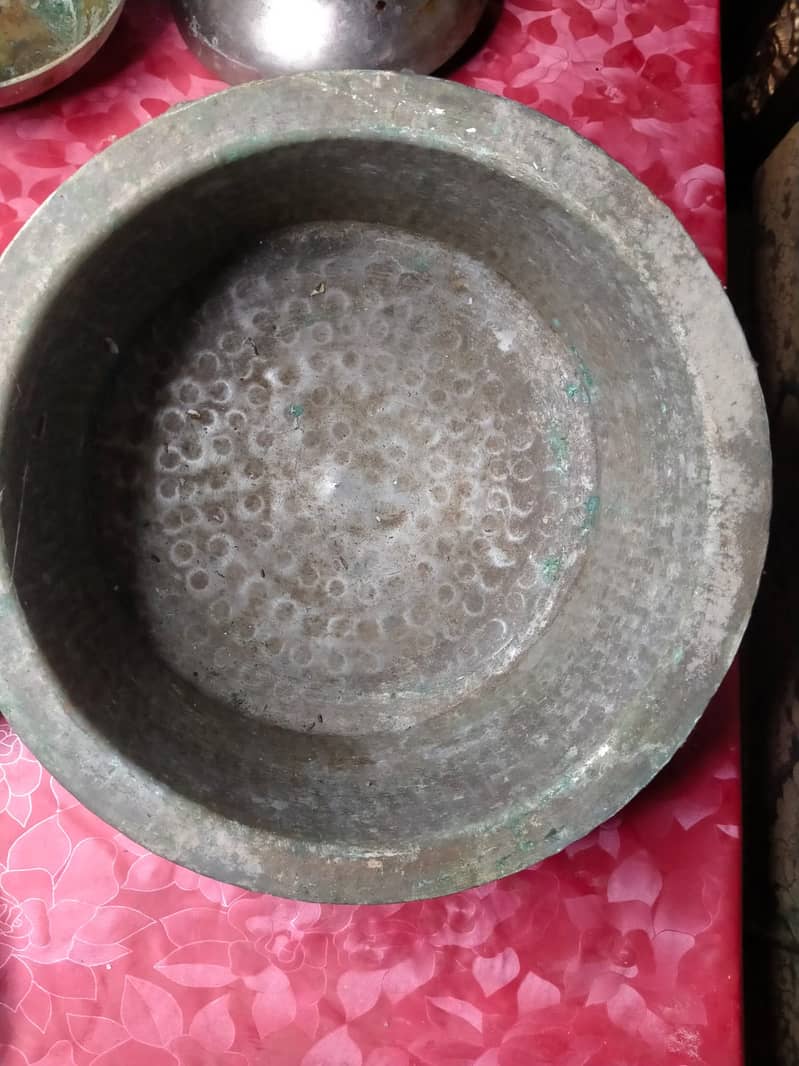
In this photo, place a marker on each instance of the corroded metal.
(774, 59)
(44, 43)
(385, 486)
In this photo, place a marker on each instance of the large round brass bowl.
(44, 42)
(385, 486)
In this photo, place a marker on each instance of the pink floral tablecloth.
(622, 951)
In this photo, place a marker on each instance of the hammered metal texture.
(347, 460)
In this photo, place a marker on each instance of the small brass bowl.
(44, 42)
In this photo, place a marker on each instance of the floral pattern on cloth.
(621, 951)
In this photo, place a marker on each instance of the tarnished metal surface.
(774, 59)
(43, 42)
(316, 507)
(263, 38)
(385, 486)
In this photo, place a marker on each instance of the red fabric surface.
(621, 951)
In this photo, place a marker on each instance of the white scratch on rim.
(19, 520)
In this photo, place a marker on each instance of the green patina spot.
(591, 513)
(421, 264)
(550, 568)
(559, 446)
(678, 656)
(233, 154)
(584, 388)
(586, 381)
(556, 323)
(296, 410)
(664, 409)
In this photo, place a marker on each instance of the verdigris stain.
(591, 513)
(550, 569)
(559, 447)
(583, 389)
